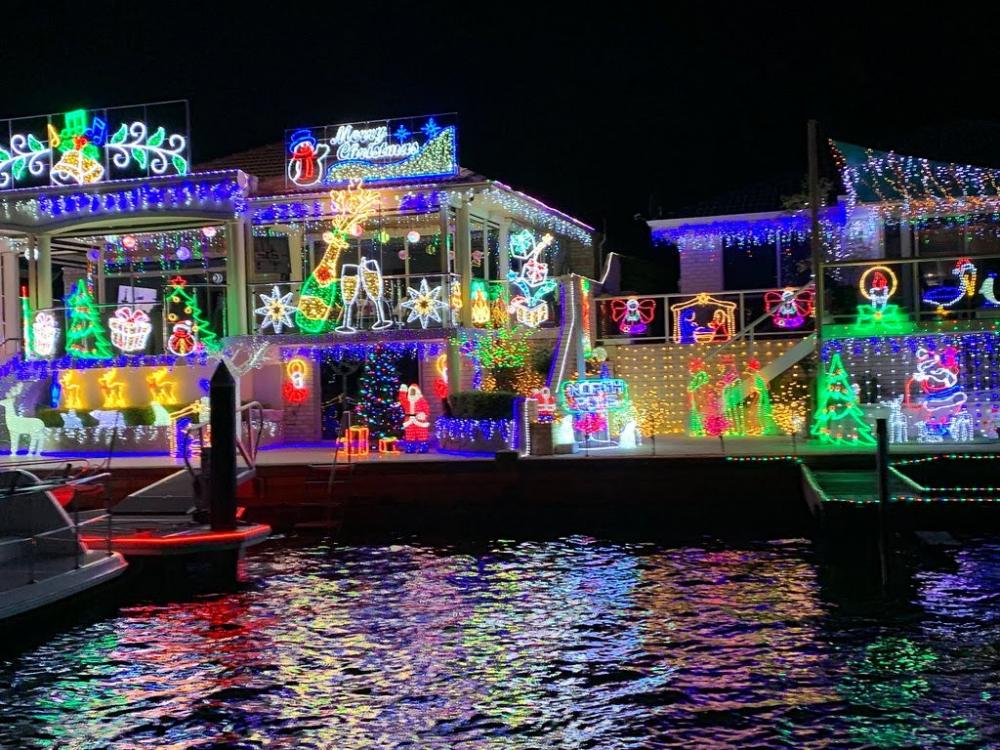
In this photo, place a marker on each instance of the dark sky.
(600, 113)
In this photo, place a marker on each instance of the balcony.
(709, 318)
(374, 303)
(190, 320)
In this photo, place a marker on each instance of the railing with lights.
(705, 318)
(361, 299)
(190, 320)
(898, 296)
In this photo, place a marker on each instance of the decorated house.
(350, 268)
(908, 256)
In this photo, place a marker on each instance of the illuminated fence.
(703, 318)
(187, 320)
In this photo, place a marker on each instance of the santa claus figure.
(416, 416)
(546, 404)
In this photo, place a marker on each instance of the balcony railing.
(884, 295)
(181, 325)
(713, 317)
(384, 303)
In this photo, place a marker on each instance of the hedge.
(482, 405)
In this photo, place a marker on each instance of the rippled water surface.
(574, 643)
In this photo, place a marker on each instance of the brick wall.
(303, 421)
(701, 269)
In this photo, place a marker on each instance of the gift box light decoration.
(703, 319)
(529, 305)
(130, 329)
(44, 334)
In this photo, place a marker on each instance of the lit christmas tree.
(378, 402)
(190, 329)
(839, 419)
(85, 336)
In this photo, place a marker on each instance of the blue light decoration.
(450, 428)
(75, 148)
(945, 295)
(39, 369)
(359, 350)
(221, 191)
(792, 226)
(375, 151)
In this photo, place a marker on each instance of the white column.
(463, 259)
(443, 230)
(10, 278)
(236, 279)
(503, 252)
(44, 271)
(295, 241)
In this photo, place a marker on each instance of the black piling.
(882, 477)
(222, 482)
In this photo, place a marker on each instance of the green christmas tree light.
(189, 324)
(839, 419)
(85, 335)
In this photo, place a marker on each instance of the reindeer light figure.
(897, 420)
(112, 390)
(72, 398)
(18, 426)
(161, 390)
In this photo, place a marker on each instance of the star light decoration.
(277, 310)
(424, 304)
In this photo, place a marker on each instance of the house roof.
(268, 164)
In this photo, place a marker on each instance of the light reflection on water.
(574, 643)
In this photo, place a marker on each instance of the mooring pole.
(882, 477)
(222, 482)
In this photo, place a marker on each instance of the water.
(574, 643)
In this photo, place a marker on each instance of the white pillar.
(503, 249)
(443, 230)
(10, 278)
(295, 241)
(463, 259)
(236, 279)
(44, 280)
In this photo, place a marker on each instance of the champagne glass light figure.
(349, 287)
(371, 274)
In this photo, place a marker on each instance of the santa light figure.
(416, 418)
(943, 403)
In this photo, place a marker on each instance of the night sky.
(603, 115)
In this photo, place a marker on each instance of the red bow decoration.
(644, 309)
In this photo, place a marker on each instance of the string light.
(838, 419)
(130, 329)
(689, 330)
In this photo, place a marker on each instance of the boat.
(44, 560)
(169, 521)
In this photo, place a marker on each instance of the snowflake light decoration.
(277, 310)
(424, 304)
